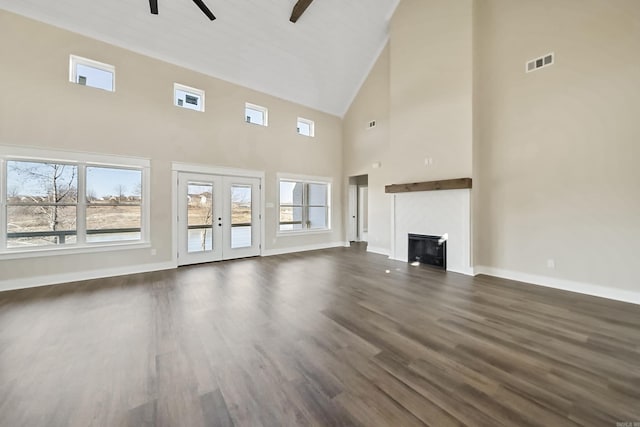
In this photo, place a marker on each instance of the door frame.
(363, 236)
(177, 167)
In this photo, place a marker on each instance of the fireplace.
(429, 250)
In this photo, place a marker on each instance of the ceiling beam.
(299, 9)
(203, 7)
(446, 184)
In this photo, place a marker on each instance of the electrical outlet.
(154, 252)
(551, 263)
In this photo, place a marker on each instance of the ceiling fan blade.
(153, 4)
(299, 9)
(203, 7)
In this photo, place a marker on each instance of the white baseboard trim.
(563, 284)
(54, 279)
(466, 272)
(377, 250)
(282, 251)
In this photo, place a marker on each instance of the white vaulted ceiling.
(320, 61)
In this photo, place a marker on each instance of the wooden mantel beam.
(446, 184)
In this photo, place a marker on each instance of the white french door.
(218, 217)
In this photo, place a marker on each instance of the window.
(71, 203)
(305, 127)
(42, 203)
(304, 205)
(256, 114)
(87, 72)
(188, 97)
(114, 204)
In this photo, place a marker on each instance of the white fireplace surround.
(434, 213)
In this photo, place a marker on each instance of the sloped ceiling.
(319, 62)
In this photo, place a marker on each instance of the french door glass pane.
(240, 216)
(199, 217)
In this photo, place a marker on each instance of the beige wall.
(431, 90)
(552, 153)
(557, 148)
(420, 94)
(368, 146)
(40, 108)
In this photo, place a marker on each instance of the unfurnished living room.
(319, 212)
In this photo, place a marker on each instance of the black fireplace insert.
(430, 250)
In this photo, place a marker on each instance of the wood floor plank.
(315, 338)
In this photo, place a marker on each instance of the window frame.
(191, 91)
(263, 110)
(81, 161)
(305, 179)
(74, 60)
(310, 123)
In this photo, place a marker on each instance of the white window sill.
(302, 232)
(71, 250)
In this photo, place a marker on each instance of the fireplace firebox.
(429, 250)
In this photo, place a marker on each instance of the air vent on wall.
(536, 64)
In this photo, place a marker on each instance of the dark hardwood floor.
(317, 338)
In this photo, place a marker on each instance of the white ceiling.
(320, 62)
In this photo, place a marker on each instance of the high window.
(54, 203)
(256, 114)
(304, 205)
(306, 127)
(87, 72)
(188, 97)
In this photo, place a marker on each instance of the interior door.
(352, 229)
(218, 218)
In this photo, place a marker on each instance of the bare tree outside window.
(200, 217)
(45, 199)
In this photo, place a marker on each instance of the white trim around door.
(227, 175)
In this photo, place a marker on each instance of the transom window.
(188, 97)
(256, 114)
(306, 127)
(61, 204)
(87, 72)
(304, 205)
